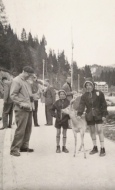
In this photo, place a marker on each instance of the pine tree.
(42, 54)
(49, 65)
(23, 35)
(82, 77)
(11, 38)
(75, 75)
(55, 63)
(30, 40)
(102, 76)
(75, 71)
(4, 52)
(43, 43)
(3, 18)
(87, 71)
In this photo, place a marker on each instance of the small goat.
(77, 125)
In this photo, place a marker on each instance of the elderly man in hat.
(68, 89)
(21, 95)
(96, 111)
(50, 96)
(36, 89)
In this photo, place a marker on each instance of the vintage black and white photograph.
(57, 94)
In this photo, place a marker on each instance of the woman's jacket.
(95, 105)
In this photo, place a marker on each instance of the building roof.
(101, 83)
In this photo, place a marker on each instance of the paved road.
(2, 133)
(46, 170)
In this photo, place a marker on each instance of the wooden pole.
(43, 71)
(78, 83)
(72, 45)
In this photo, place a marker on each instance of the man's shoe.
(3, 128)
(58, 149)
(64, 149)
(26, 150)
(48, 124)
(94, 150)
(15, 153)
(37, 125)
(9, 126)
(69, 128)
(102, 152)
(0, 118)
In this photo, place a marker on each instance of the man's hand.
(44, 90)
(74, 92)
(78, 117)
(24, 105)
(71, 102)
(36, 96)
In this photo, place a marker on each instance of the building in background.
(102, 86)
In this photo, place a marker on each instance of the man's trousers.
(49, 118)
(35, 113)
(7, 114)
(23, 131)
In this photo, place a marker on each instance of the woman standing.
(96, 112)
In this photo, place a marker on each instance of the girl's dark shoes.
(58, 150)
(102, 152)
(94, 150)
(64, 149)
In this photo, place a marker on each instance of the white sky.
(92, 23)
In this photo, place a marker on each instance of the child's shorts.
(64, 126)
(93, 122)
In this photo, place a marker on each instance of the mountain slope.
(97, 69)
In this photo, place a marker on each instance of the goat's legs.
(81, 134)
(75, 137)
(82, 143)
(80, 146)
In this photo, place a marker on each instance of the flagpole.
(42, 97)
(72, 46)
